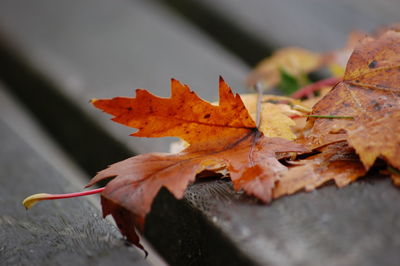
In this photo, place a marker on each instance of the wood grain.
(57, 232)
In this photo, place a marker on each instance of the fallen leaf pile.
(349, 127)
(219, 137)
(370, 95)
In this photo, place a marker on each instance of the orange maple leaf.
(223, 136)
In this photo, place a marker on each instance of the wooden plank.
(319, 25)
(53, 233)
(355, 225)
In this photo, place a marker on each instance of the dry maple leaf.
(369, 94)
(370, 91)
(184, 115)
(223, 135)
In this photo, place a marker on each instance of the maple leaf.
(370, 94)
(184, 115)
(223, 135)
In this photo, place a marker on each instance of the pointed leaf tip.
(30, 201)
(175, 82)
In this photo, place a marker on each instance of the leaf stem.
(260, 89)
(76, 194)
(30, 201)
(393, 170)
(308, 90)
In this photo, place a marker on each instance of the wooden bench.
(60, 233)
(56, 55)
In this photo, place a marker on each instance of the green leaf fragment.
(291, 83)
(288, 83)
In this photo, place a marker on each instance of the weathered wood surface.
(65, 232)
(99, 49)
(356, 225)
(319, 25)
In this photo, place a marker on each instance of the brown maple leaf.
(378, 138)
(223, 136)
(336, 161)
(370, 94)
